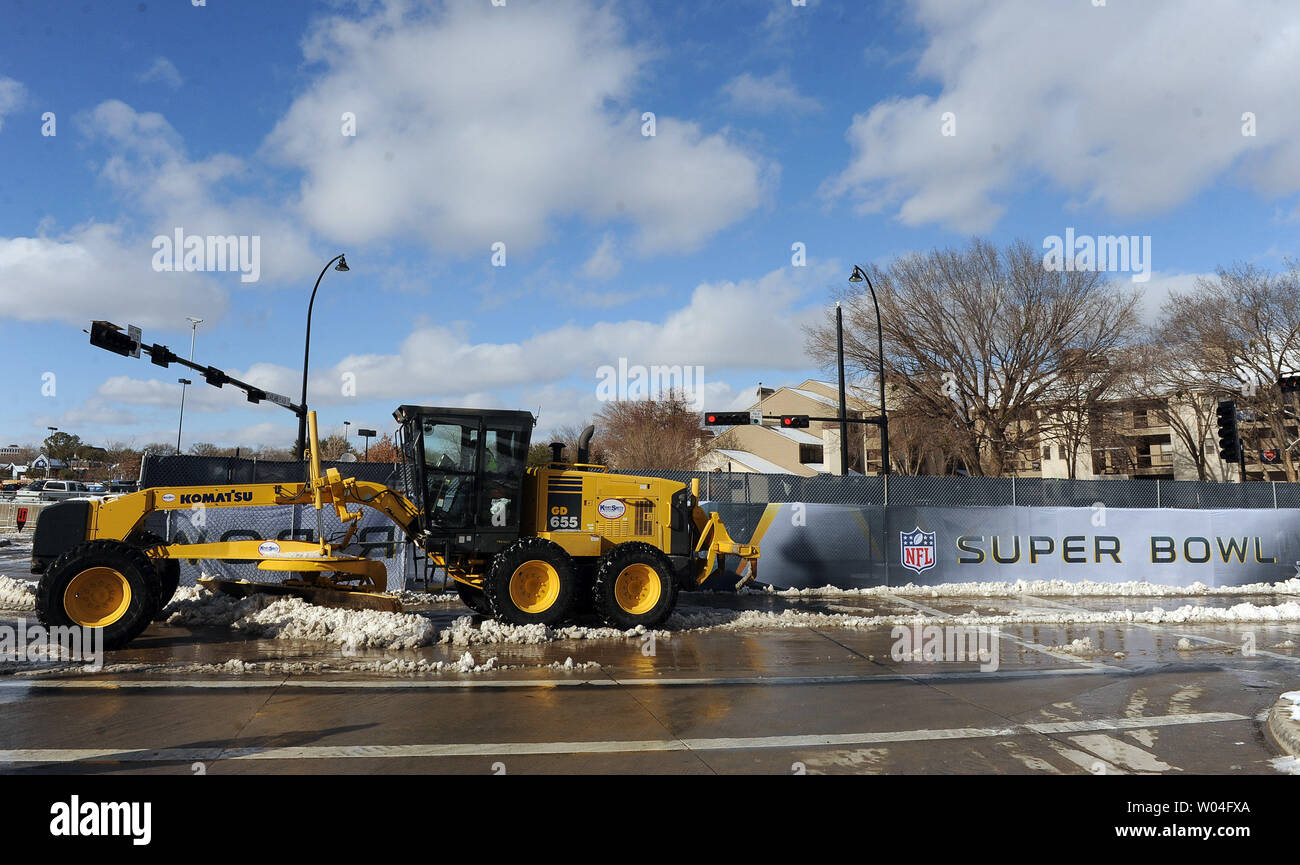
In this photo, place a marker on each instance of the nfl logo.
(918, 549)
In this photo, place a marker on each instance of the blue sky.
(521, 124)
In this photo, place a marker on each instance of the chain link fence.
(956, 491)
(182, 471)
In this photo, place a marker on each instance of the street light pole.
(844, 424)
(306, 355)
(860, 275)
(184, 383)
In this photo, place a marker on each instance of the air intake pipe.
(584, 442)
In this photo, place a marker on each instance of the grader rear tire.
(635, 586)
(108, 585)
(531, 582)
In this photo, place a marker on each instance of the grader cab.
(523, 544)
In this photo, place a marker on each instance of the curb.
(1282, 727)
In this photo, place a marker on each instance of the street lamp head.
(858, 274)
(342, 266)
(194, 322)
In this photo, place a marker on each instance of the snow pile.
(295, 619)
(1294, 697)
(17, 594)
(1184, 645)
(466, 664)
(1286, 765)
(464, 633)
(1083, 648)
(1047, 588)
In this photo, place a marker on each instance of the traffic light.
(794, 421)
(160, 355)
(214, 376)
(105, 334)
(1229, 439)
(726, 418)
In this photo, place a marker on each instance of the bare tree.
(1239, 333)
(979, 337)
(660, 433)
(1168, 370)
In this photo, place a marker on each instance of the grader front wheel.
(634, 586)
(107, 585)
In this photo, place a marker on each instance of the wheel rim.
(97, 597)
(534, 586)
(637, 589)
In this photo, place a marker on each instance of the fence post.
(1013, 491)
(1274, 484)
(886, 490)
(1157, 492)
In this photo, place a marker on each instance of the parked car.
(96, 489)
(51, 491)
(121, 486)
(9, 489)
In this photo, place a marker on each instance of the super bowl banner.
(810, 545)
(850, 546)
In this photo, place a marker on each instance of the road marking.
(88, 684)
(931, 611)
(1163, 628)
(816, 740)
(1122, 753)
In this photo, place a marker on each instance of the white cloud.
(1153, 293)
(751, 324)
(93, 273)
(476, 124)
(151, 170)
(11, 96)
(771, 94)
(724, 327)
(604, 262)
(164, 72)
(1133, 106)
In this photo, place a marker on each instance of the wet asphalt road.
(753, 700)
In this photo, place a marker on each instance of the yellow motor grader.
(523, 544)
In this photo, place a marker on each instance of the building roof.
(796, 435)
(824, 400)
(754, 462)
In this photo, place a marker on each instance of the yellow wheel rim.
(534, 586)
(637, 589)
(97, 597)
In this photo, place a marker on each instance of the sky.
(529, 192)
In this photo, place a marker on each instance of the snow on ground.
(1046, 588)
(1082, 648)
(293, 618)
(17, 594)
(384, 667)
(1286, 765)
(1294, 697)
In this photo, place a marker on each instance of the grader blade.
(324, 596)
